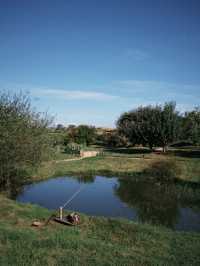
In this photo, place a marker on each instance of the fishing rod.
(68, 201)
(53, 216)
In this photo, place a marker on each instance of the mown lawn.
(97, 241)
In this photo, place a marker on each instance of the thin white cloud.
(155, 85)
(108, 101)
(72, 94)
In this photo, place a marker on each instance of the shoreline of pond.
(161, 196)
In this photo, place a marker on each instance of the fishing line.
(72, 197)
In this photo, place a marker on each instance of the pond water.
(167, 205)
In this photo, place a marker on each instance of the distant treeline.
(152, 126)
(160, 125)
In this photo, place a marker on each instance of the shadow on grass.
(187, 153)
(128, 150)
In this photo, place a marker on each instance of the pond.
(168, 205)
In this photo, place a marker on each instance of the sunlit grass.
(97, 241)
(119, 165)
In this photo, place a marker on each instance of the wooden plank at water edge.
(63, 221)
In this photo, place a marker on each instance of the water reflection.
(170, 205)
(156, 204)
(86, 179)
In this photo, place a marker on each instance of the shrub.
(73, 148)
(85, 135)
(23, 138)
(164, 170)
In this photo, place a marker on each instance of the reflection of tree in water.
(156, 204)
(86, 179)
(189, 196)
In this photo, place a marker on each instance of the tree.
(60, 127)
(140, 125)
(85, 134)
(191, 126)
(168, 125)
(23, 137)
(71, 134)
(114, 139)
(150, 125)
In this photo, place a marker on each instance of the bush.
(73, 148)
(114, 139)
(164, 170)
(23, 138)
(85, 135)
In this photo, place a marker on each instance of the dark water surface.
(168, 205)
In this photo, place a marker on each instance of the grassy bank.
(118, 164)
(97, 241)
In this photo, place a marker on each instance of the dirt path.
(69, 160)
(80, 158)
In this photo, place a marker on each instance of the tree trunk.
(164, 148)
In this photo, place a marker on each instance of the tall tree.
(191, 126)
(150, 125)
(168, 125)
(23, 137)
(140, 125)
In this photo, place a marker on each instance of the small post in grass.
(61, 213)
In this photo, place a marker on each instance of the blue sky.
(88, 61)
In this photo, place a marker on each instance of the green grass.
(64, 156)
(60, 154)
(117, 165)
(90, 166)
(122, 162)
(97, 241)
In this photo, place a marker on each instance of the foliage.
(60, 127)
(85, 134)
(70, 136)
(168, 125)
(150, 125)
(23, 138)
(138, 127)
(191, 126)
(114, 139)
(82, 134)
(56, 138)
(72, 148)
